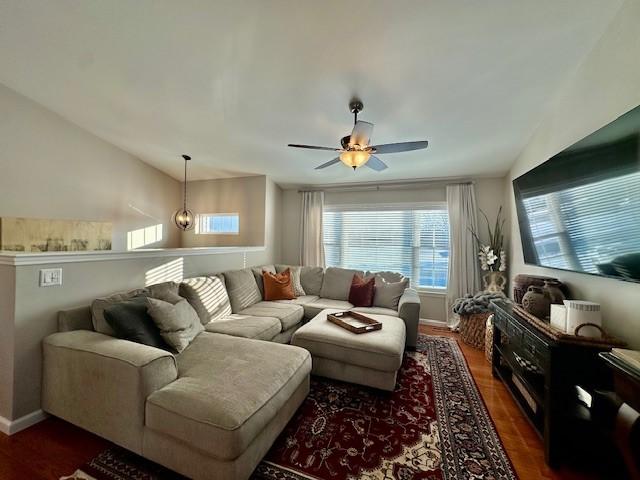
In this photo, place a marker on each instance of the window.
(217, 223)
(410, 239)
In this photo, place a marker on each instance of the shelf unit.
(541, 374)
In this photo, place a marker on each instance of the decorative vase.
(494, 282)
(536, 302)
(552, 290)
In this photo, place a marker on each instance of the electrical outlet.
(50, 277)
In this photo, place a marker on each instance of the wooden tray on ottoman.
(347, 319)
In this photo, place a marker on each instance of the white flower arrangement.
(492, 256)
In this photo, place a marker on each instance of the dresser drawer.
(500, 321)
(535, 350)
(515, 334)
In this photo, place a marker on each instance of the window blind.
(412, 239)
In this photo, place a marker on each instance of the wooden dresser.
(541, 374)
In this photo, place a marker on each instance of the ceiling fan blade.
(376, 164)
(312, 147)
(399, 147)
(361, 133)
(328, 164)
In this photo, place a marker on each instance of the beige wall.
(605, 86)
(36, 308)
(50, 168)
(244, 196)
(489, 194)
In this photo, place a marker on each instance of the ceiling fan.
(356, 150)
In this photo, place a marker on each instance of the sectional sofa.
(213, 410)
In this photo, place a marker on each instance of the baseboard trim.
(9, 427)
(432, 323)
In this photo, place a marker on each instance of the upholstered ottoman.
(372, 359)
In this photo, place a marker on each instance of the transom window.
(407, 238)
(217, 224)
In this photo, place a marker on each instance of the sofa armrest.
(101, 383)
(409, 311)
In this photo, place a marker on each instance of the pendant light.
(183, 218)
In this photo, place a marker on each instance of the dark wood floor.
(54, 448)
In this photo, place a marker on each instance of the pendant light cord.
(185, 185)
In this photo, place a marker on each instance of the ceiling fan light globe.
(354, 158)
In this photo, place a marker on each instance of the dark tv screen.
(580, 210)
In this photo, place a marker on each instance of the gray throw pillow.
(387, 294)
(179, 324)
(167, 291)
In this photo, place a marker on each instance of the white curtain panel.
(464, 273)
(311, 244)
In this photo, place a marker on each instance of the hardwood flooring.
(54, 448)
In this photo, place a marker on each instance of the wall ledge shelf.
(42, 258)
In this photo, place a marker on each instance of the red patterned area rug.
(434, 426)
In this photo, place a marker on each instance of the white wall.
(489, 193)
(244, 196)
(606, 85)
(50, 168)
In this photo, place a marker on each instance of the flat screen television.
(580, 210)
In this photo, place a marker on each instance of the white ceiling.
(232, 82)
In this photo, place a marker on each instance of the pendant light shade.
(183, 218)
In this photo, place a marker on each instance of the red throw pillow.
(362, 290)
(278, 286)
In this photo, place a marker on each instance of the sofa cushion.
(208, 297)
(310, 278)
(303, 300)
(313, 308)
(337, 282)
(131, 321)
(242, 289)
(387, 294)
(260, 328)
(257, 274)
(179, 324)
(228, 390)
(289, 314)
(167, 291)
(278, 286)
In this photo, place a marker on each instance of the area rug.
(434, 426)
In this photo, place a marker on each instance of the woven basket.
(472, 329)
(488, 339)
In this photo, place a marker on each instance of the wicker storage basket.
(472, 329)
(488, 339)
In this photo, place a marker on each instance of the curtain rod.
(369, 186)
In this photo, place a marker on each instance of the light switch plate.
(50, 277)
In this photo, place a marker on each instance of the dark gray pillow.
(130, 321)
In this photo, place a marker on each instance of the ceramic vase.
(494, 282)
(536, 302)
(552, 290)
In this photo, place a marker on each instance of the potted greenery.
(492, 256)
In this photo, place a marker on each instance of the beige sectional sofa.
(213, 410)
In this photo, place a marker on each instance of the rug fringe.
(78, 475)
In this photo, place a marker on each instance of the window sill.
(435, 292)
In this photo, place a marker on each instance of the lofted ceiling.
(232, 82)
